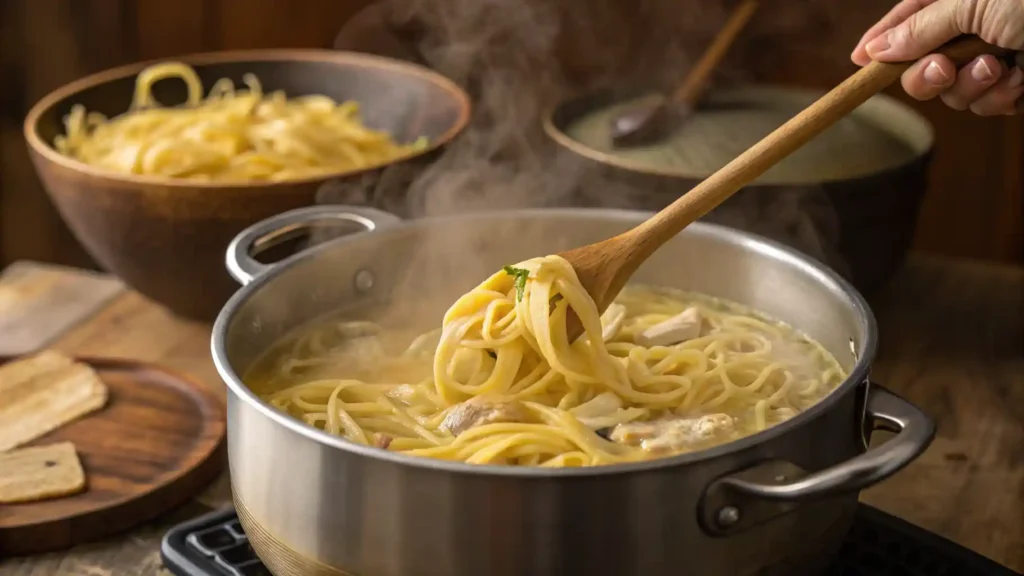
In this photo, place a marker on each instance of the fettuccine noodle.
(230, 135)
(500, 383)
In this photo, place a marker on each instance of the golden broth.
(376, 385)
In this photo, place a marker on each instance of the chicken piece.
(479, 411)
(382, 441)
(611, 321)
(675, 434)
(682, 327)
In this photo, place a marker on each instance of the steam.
(518, 58)
(502, 52)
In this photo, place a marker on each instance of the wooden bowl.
(167, 237)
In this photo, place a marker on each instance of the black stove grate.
(882, 545)
(878, 545)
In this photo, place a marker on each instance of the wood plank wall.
(47, 43)
(973, 207)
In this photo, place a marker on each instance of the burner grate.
(878, 545)
(882, 545)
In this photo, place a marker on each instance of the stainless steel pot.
(778, 502)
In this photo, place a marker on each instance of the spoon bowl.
(650, 119)
(647, 121)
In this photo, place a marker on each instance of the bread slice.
(40, 473)
(15, 373)
(43, 393)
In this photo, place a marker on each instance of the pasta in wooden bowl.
(229, 135)
(155, 178)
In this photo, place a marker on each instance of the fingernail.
(1016, 78)
(981, 72)
(879, 45)
(934, 75)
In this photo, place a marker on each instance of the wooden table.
(952, 342)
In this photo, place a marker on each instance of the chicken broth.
(686, 372)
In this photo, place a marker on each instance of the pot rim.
(198, 59)
(857, 375)
(556, 131)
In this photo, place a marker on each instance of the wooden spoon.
(651, 118)
(605, 267)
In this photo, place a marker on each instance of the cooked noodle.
(230, 135)
(503, 347)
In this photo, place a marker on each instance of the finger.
(1004, 97)
(919, 34)
(972, 81)
(898, 14)
(929, 77)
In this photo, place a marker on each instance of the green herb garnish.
(520, 274)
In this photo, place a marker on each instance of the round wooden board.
(156, 443)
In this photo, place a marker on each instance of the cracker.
(40, 473)
(43, 393)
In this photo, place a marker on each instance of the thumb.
(922, 32)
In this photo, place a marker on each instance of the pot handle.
(914, 432)
(244, 268)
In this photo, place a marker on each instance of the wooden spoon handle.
(749, 165)
(693, 86)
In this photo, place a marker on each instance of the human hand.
(914, 28)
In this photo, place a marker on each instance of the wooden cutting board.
(158, 442)
(39, 302)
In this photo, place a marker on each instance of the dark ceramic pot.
(860, 223)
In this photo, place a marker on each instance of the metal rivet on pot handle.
(244, 268)
(364, 281)
(914, 429)
(728, 516)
